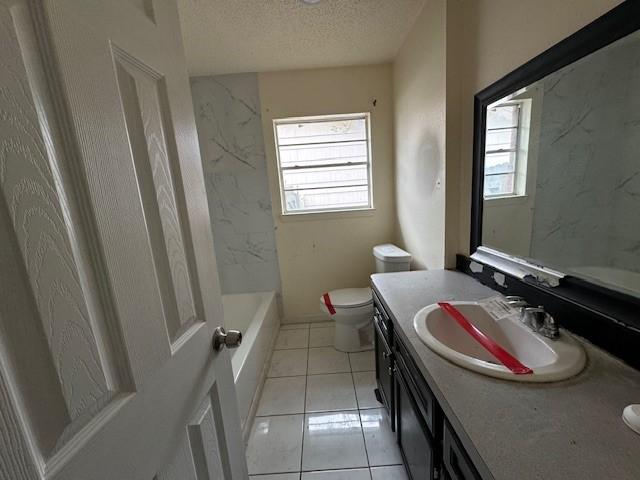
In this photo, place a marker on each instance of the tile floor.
(318, 418)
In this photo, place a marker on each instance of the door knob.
(222, 338)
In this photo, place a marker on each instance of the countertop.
(516, 431)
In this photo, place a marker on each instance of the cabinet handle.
(385, 355)
(391, 370)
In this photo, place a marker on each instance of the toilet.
(352, 308)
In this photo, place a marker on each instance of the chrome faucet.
(536, 318)
(516, 302)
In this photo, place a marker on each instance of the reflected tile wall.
(588, 182)
(227, 109)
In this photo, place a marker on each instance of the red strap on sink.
(327, 302)
(492, 347)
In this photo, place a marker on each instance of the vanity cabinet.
(456, 462)
(415, 438)
(430, 448)
(384, 359)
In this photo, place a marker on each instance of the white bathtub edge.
(248, 424)
(250, 360)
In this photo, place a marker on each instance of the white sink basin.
(550, 360)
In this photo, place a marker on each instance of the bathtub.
(256, 316)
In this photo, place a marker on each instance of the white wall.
(321, 252)
(419, 123)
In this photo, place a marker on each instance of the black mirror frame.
(615, 24)
(606, 317)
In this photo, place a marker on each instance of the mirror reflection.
(562, 169)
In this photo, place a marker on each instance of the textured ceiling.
(230, 36)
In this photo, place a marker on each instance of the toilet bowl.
(352, 310)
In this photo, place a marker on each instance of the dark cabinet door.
(384, 369)
(414, 439)
(456, 461)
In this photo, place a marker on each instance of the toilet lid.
(350, 297)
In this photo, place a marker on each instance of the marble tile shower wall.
(227, 109)
(588, 180)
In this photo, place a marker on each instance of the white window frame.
(517, 167)
(326, 118)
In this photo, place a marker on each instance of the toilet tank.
(390, 258)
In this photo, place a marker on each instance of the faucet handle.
(538, 309)
(514, 298)
(516, 301)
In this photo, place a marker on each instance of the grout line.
(355, 390)
(328, 374)
(364, 440)
(304, 415)
(288, 348)
(325, 470)
(318, 411)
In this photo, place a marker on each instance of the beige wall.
(419, 97)
(455, 49)
(320, 252)
(499, 36)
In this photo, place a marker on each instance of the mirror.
(561, 169)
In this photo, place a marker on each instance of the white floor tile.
(322, 337)
(282, 396)
(288, 363)
(362, 361)
(365, 384)
(382, 448)
(293, 326)
(275, 444)
(351, 474)
(276, 476)
(394, 472)
(294, 338)
(334, 391)
(327, 360)
(333, 441)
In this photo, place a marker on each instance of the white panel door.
(109, 294)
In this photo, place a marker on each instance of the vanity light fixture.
(311, 2)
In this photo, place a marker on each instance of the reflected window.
(501, 161)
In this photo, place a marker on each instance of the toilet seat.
(345, 298)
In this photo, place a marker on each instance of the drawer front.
(385, 328)
(456, 461)
(383, 319)
(425, 398)
(414, 438)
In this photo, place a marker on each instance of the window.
(501, 150)
(324, 163)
